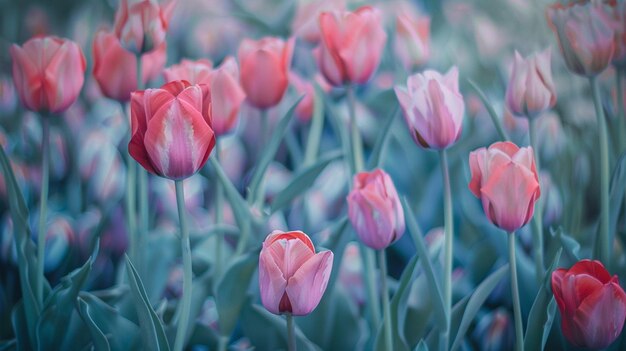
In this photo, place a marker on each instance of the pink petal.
(307, 286)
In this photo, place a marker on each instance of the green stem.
(181, 330)
(219, 216)
(291, 334)
(517, 311)
(355, 137)
(222, 343)
(620, 109)
(259, 197)
(142, 175)
(129, 196)
(315, 132)
(382, 261)
(448, 240)
(538, 217)
(43, 206)
(605, 252)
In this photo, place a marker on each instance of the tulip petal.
(271, 283)
(306, 287)
(600, 318)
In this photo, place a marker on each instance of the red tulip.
(292, 277)
(531, 89)
(115, 69)
(171, 129)
(140, 25)
(264, 69)
(195, 72)
(505, 178)
(591, 302)
(48, 73)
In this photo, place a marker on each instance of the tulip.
(351, 45)
(226, 95)
(115, 69)
(412, 43)
(292, 277)
(505, 178)
(48, 73)
(140, 25)
(264, 69)
(585, 33)
(195, 72)
(171, 129)
(304, 23)
(433, 108)
(304, 110)
(591, 302)
(374, 209)
(531, 89)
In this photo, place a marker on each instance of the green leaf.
(421, 346)
(476, 301)
(20, 327)
(8, 345)
(302, 181)
(159, 254)
(98, 338)
(268, 154)
(238, 204)
(542, 312)
(570, 246)
(433, 284)
(336, 243)
(152, 332)
(232, 290)
(616, 197)
(376, 155)
(492, 112)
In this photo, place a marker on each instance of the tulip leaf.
(256, 191)
(98, 338)
(160, 253)
(570, 246)
(421, 346)
(479, 296)
(316, 129)
(336, 242)
(616, 197)
(379, 146)
(20, 327)
(232, 290)
(339, 129)
(302, 181)
(541, 313)
(238, 204)
(492, 112)
(8, 345)
(433, 284)
(152, 331)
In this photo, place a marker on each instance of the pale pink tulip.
(531, 89)
(226, 96)
(412, 42)
(140, 25)
(195, 72)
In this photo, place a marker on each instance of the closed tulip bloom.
(374, 209)
(115, 69)
(591, 302)
(141, 25)
(171, 129)
(351, 46)
(585, 32)
(226, 96)
(265, 69)
(48, 73)
(531, 89)
(292, 277)
(412, 42)
(433, 108)
(195, 72)
(504, 178)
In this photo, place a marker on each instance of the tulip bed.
(312, 175)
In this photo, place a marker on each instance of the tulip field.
(400, 175)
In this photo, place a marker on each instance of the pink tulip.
(433, 108)
(48, 73)
(171, 129)
(195, 72)
(226, 95)
(292, 277)
(264, 69)
(304, 23)
(412, 43)
(115, 69)
(531, 89)
(585, 34)
(591, 302)
(374, 209)
(351, 45)
(140, 25)
(304, 110)
(505, 178)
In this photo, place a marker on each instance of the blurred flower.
(304, 110)
(165, 197)
(37, 21)
(412, 42)
(264, 69)
(551, 138)
(433, 108)
(489, 37)
(292, 277)
(195, 72)
(591, 302)
(351, 46)
(552, 203)
(305, 21)
(226, 96)
(374, 209)
(59, 239)
(115, 69)
(140, 25)
(495, 331)
(504, 177)
(277, 177)
(531, 90)
(232, 157)
(619, 15)
(101, 167)
(171, 129)
(585, 35)
(58, 153)
(8, 99)
(48, 73)
(351, 273)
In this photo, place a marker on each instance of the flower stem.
(315, 132)
(382, 261)
(142, 185)
(519, 327)
(181, 330)
(605, 252)
(219, 216)
(43, 206)
(129, 196)
(355, 137)
(448, 239)
(538, 217)
(222, 343)
(291, 334)
(259, 197)
(621, 115)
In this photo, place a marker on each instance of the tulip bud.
(531, 89)
(48, 73)
(374, 209)
(433, 108)
(292, 277)
(195, 72)
(140, 25)
(591, 302)
(304, 23)
(495, 331)
(226, 96)
(504, 178)
(412, 43)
